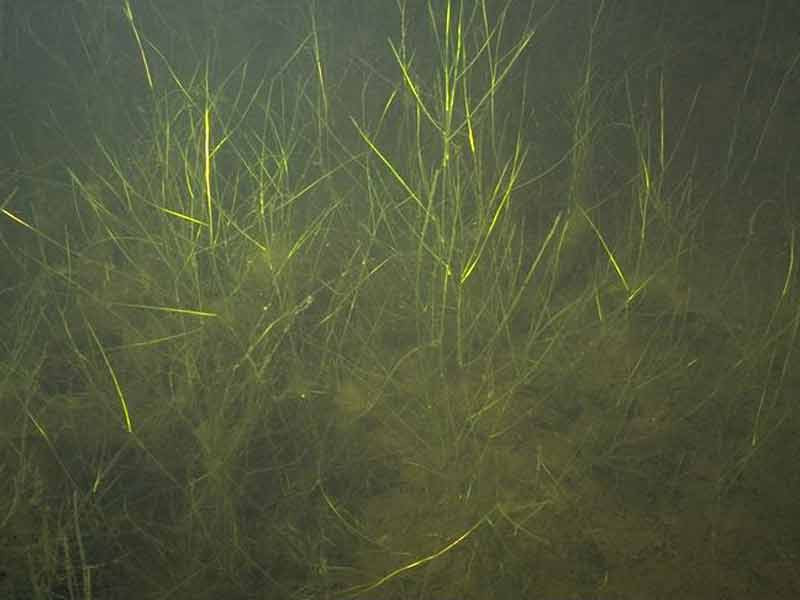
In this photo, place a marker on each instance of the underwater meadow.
(411, 299)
